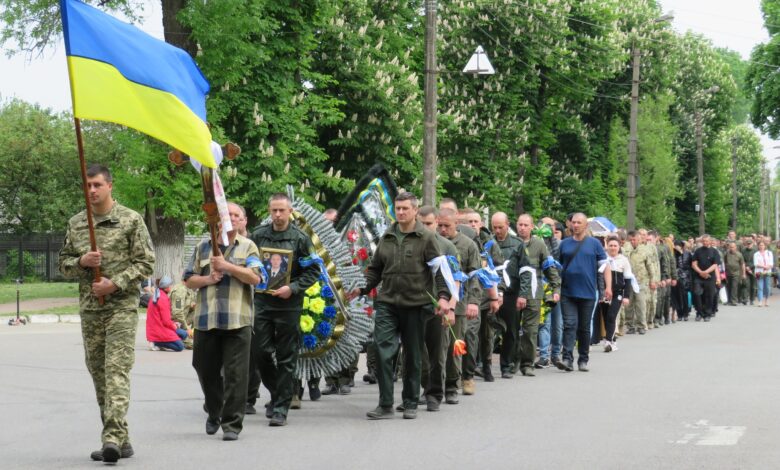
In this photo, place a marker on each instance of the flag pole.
(90, 222)
(210, 207)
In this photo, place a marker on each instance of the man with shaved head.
(468, 306)
(581, 257)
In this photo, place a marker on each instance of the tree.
(36, 184)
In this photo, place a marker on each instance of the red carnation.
(369, 310)
(352, 236)
(363, 254)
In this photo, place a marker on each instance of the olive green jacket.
(401, 265)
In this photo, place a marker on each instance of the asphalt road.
(686, 396)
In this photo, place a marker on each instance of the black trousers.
(510, 340)
(680, 300)
(608, 313)
(409, 322)
(219, 352)
(705, 296)
(278, 338)
(434, 357)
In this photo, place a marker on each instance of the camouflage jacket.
(127, 256)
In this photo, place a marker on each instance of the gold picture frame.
(278, 266)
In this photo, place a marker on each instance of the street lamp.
(481, 66)
(633, 141)
(699, 157)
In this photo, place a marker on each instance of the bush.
(12, 266)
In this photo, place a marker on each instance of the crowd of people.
(448, 292)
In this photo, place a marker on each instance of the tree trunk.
(176, 33)
(168, 242)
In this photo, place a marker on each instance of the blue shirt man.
(581, 257)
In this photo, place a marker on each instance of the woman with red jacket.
(161, 331)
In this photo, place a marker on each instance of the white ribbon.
(534, 281)
(441, 263)
(634, 284)
(502, 270)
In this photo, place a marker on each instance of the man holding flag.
(108, 306)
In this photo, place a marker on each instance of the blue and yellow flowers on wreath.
(318, 318)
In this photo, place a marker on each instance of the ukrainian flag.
(120, 74)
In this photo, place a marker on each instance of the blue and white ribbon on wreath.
(312, 259)
(441, 263)
(534, 281)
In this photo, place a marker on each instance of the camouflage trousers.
(109, 350)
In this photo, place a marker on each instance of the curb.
(43, 318)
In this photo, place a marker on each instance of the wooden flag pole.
(90, 223)
(210, 207)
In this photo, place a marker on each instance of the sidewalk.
(37, 304)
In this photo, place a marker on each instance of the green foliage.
(39, 188)
(12, 265)
(316, 91)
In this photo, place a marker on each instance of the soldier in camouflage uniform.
(125, 256)
(480, 335)
(655, 280)
(537, 254)
(665, 286)
(639, 256)
(183, 309)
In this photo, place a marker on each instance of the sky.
(733, 24)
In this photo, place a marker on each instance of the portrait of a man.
(277, 266)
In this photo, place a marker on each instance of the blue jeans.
(577, 323)
(764, 287)
(174, 345)
(551, 331)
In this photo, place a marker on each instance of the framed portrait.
(277, 264)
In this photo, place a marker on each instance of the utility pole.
(700, 170)
(431, 99)
(633, 142)
(762, 210)
(777, 214)
(734, 143)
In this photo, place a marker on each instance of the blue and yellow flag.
(120, 74)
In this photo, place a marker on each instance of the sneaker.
(614, 346)
(277, 420)
(345, 390)
(582, 366)
(542, 363)
(230, 436)
(152, 347)
(331, 389)
(487, 374)
(507, 374)
(528, 372)
(381, 412)
(698, 317)
(641, 331)
(111, 452)
(432, 405)
(410, 413)
(269, 411)
(451, 398)
(608, 347)
(315, 393)
(212, 426)
(555, 360)
(249, 409)
(295, 404)
(400, 407)
(469, 386)
(631, 331)
(125, 452)
(565, 365)
(706, 319)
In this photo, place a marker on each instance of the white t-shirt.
(763, 259)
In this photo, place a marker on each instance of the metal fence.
(26, 256)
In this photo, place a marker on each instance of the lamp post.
(700, 158)
(633, 140)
